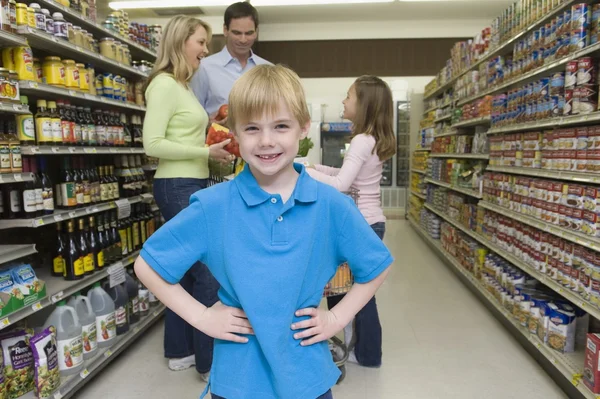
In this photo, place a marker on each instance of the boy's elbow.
(140, 267)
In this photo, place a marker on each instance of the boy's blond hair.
(261, 90)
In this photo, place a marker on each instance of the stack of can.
(585, 93)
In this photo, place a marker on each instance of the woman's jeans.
(367, 328)
(181, 339)
(328, 395)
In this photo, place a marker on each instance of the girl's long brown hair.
(375, 114)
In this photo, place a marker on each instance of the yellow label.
(88, 263)
(78, 266)
(136, 235)
(144, 232)
(59, 265)
(123, 234)
(44, 130)
(129, 239)
(101, 258)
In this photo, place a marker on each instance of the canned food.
(580, 39)
(568, 108)
(571, 74)
(558, 105)
(587, 100)
(587, 73)
(557, 84)
(581, 16)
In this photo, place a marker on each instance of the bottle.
(143, 224)
(67, 187)
(29, 200)
(110, 131)
(47, 188)
(103, 185)
(109, 184)
(89, 264)
(64, 123)
(68, 338)
(135, 228)
(74, 261)
(87, 318)
(56, 122)
(43, 124)
(26, 125)
(120, 299)
(137, 131)
(122, 226)
(83, 125)
(141, 174)
(95, 245)
(39, 188)
(101, 132)
(76, 126)
(144, 296)
(16, 162)
(12, 201)
(5, 157)
(104, 309)
(91, 126)
(115, 237)
(125, 183)
(115, 182)
(151, 224)
(102, 243)
(87, 185)
(58, 264)
(129, 224)
(124, 133)
(133, 305)
(135, 177)
(78, 184)
(94, 183)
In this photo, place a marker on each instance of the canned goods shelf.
(61, 215)
(11, 252)
(419, 171)
(443, 118)
(579, 238)
(553, 174)
(418, 195)
(77, 97)
(486, 120)
(569, 365)
(137, 51)
(44, 41)
(471, 193)
(564, 121)
(54, 150)
(6, 178)
(466, 156)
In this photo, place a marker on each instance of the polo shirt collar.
(226, 57)
(305, 190)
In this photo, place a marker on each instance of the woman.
(174, 132)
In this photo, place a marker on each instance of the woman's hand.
(225, 323)
(322, 325)
(218, 153)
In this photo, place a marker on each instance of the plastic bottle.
(133, 305)
(120, 299)
(87, 318)
(68, 338)
(104, 309)
(144, 295)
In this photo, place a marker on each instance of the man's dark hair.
(241, 9)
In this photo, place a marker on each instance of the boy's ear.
(305, 130)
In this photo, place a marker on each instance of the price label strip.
(108, 353)
(57, 297)
(123, 208)
(116, 274)
(5, 322)
(58, 395)
(37, 306)
(18, 177)
(84, 373)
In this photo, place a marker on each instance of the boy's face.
(270, 144)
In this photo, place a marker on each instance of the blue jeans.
(181, 339)
(327, 395)
(367, 328)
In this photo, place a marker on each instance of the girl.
(369, 106)
(174, 132)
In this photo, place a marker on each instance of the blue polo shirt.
(271, 259)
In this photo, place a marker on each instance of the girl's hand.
(225, 323)
(322, 325)
(218, 153)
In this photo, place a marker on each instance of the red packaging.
(571, 74)
(568, 108)
(587, 74)
(591, 369)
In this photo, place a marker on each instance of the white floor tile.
(439, 342)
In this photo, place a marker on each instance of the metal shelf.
(443, 118)
(419, 171)
(137, 51)
(49, 150)
(579, 238)
(11, 40)
(546, 123)
(150, 167)
(454, 133)
(467, 156)
(14, 109)
(568, 365)
(429, 110)
(58, 288)
(471, 193)
(6, 178)
(418, 195)
(553, 174)
(44, 41)
(484, 120)
(12, 252)
(77, 97)
(422, 149)
(59, 216)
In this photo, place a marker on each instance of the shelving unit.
(55, 150)
(471, 193)
(552, 174)
(565, 121)
(418, 195)
(486, 120)
(419, 171)
(7, 178)
(465, 156)
(443, 118)
(12, 252)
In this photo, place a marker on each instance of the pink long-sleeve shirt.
(361, 170)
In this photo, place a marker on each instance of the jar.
(7, 58)
(53, 71)
(91, 79)
(12, 15)
(72, 78)
(118, 52)
(108, 25)
(60, 26)
(85, 39)
(31, 18)
(107, 48)
(139, 93)
(126, 56)
(84, 84)
(23, 58)
(77, 36)
(37, 70)
(85, 9)
(49, 21)
(144, 67)
(40, 19)
(22, 20)
(98, 86)
(4, 85)
(14, 87)
(135, 65)
(70, 33)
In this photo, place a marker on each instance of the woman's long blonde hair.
(171, 52)
(375, 114)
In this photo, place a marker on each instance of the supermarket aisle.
(439, 341)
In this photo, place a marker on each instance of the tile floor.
(439, 342)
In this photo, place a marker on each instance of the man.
(214, 80)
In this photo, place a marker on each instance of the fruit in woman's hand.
(222, 113)
(217, 134)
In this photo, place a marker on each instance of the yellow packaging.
(91, 76)
(53, 71)
(22, 18)
(37, 70)
(71, 74)
(31, 18)
(23, 58)
(108, 48)
(84, 78)
(7, 58)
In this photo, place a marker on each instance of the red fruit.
(222, 113)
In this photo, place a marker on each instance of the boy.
(273, 237)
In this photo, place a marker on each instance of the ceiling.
(438, 10)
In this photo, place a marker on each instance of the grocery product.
(45, 355)
(18, 363)
(104, 309)
(68, 338)
(120, 299)
(87, 318)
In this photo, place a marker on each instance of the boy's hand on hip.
(225, 323)
(322, 325)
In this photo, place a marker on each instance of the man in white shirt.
(214, 80)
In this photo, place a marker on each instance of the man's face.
(240, 36)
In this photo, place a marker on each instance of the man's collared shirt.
(216, 76)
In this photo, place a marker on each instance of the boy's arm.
(220, 321)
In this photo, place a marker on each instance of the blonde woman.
(174, 132)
